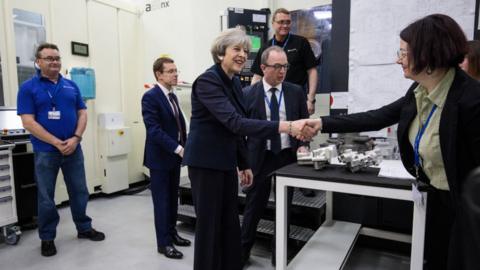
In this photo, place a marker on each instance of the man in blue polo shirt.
(53, 111)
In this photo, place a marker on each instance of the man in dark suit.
(270, 99)
(166, 136)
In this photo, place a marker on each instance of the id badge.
(54, 115)
(417, 195)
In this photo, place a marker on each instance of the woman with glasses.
(216, 149)
(438, 130)
(471, 62)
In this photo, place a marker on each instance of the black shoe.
(170, 252)
(307, 192)
(245, 257)
(179, 241)
(48, 248)
(92, 234)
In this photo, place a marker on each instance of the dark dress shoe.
(245, 258)
(170, 252)
(179, 241)
(48, 248)
(92, 234)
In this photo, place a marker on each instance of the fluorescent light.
(321, 15)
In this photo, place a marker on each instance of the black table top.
(338, 173)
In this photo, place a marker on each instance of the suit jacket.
(218, 125)
(459, 141)
(295, 107)
(162, 131)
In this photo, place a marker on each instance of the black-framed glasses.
(402, 53)
(278, 66)
(52, 58)
(284, 22)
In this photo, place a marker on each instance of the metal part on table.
(357, 161)
(304, 158)
(323, 156)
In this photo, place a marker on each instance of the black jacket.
(459, 141)
(218, 125)
(295, 107)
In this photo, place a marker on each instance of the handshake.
(303, 129)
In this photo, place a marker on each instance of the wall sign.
(156, 4)
(79, 48)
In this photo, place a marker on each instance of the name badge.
(54, 115)
(291, 50)
(417, 196)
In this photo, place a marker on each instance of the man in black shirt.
(299, 54)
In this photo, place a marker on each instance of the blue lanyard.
(419, 137)
(52, 97)
(270, 104)
(284, 44)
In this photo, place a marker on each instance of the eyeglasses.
(402, 53)
(51, 59)
(172, 71)
(277, 67)
(284, 22)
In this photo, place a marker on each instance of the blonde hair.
(229, 37)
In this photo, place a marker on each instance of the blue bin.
(85, 80)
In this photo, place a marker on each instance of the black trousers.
(217, 228)
(439, 221)
(257, 196)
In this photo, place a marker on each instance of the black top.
(338, 173)
(218, 125)
(299, 54)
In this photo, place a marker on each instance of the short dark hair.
(435, 41)
(158, 64)
(473, 57)
(266, 53)
(43, 46)
(279, 10)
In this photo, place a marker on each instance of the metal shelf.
(187, 212)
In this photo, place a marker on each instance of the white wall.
(185, 31)
(111, 28)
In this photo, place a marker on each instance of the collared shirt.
(39, 95)
(284, 138)
(299, 54)
(166, 91)
(429, 148)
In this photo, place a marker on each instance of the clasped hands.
(68, 146)
(305, 129)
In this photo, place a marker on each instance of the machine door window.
(29, 28)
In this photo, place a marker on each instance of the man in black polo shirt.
(299, 54)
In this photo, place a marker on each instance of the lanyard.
(284, 44)
(270, 104)
(419, 137)
(52, 97)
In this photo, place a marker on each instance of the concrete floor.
(130, 243)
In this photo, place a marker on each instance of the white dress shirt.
(284, 137)
(166, 91)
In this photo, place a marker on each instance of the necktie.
(176, 114)
(275, 145)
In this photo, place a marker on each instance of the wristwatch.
(78, 137)
(312, 101)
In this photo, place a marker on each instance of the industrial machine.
(255, 23)
(114, 146)
(8, 209)
(22, 166)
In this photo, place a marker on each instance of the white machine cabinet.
(8, 208)
(114, 146)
